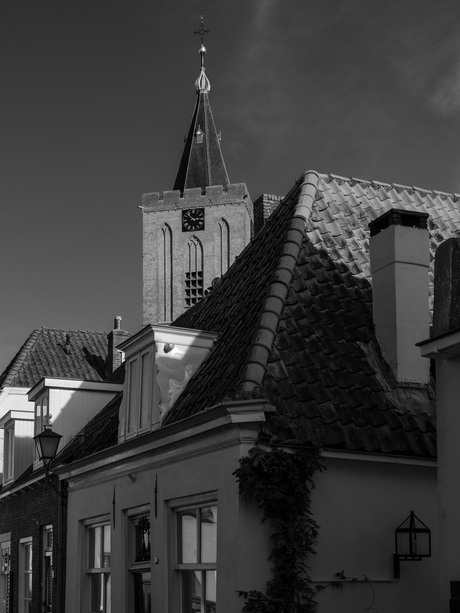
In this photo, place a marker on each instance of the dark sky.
(96, 98)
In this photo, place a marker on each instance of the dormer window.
(140, 389)
(160, 361)
(199, 135)
(8, 453)
(18, 427)
(42, 417)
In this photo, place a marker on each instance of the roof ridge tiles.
(256, 362)
(71, 330)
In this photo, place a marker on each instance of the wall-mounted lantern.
(412, 542)
(47, 443)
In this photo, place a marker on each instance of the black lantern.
(412, 542)
(47, 443)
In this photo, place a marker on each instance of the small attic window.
(140, 388)
(199, 135)
(160, 360)
(42, 417)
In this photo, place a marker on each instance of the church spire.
(202, 163)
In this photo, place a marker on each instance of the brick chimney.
(115, 338)
(400, 257)
(263, 207)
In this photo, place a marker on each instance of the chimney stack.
(400, 258)
(115, 338)
(446, 310)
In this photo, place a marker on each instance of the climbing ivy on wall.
(280, 482)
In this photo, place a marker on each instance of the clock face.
(192, 220)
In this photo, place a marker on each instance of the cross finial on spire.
(202, 31)
(202, 83)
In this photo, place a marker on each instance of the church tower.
(192, 234)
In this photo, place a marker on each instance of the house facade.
(290, 344)
(294, 324)
(60, 375)
(443, 348)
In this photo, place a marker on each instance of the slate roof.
(294, 315)
(50, 352)
(202, 163)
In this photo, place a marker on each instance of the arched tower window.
(166, 273)
(194, 290)
(224, 246)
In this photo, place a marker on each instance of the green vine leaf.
(280, 481)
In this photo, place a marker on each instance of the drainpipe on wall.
(400, 257)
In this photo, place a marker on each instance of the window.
(47, 572)
(9, 453)
(42, 417)
(167, 256)
(140, 390)
(194, 291)
(5, 576)
(25, 575)
(196, 529)
(224, 243)
(98, 568)
(139, 569)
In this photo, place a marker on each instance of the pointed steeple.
(202, 162)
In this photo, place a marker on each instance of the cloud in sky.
(446, 97)
(425, 54)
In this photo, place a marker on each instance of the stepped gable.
(49, 352)
(294, 315)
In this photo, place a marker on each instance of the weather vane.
(202, 31)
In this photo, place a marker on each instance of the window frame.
(139, 390)
(181, 568)
(41, 418)
(9, 453)
(91, 571)
(25, 574)
(137, 568)
(5, 570)
(47, 587)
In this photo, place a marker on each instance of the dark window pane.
(142, 592)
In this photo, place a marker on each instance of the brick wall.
(263, 208)
(164, 286)
(24, 513)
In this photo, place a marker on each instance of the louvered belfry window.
(194, 287)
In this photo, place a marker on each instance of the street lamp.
(412, 542)
(47, 443)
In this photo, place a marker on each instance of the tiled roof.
(51, 352)
(294, 317)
